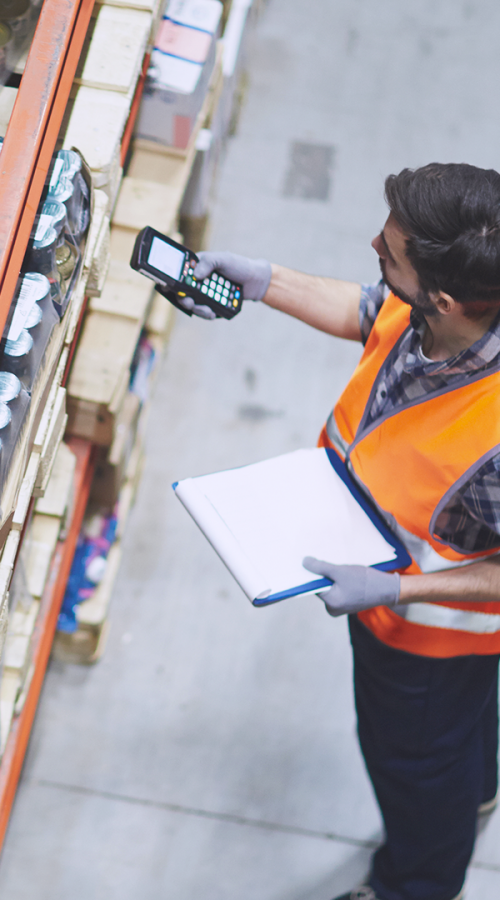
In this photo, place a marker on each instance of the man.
(419, 427)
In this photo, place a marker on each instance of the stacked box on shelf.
(105, 86)
(196, 204)
(116, 477)
(100, 374)
(182, 62)
(152, 191)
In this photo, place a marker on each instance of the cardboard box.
(182, 62)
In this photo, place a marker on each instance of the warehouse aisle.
(211, 753)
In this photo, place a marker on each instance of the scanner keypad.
(214, 286)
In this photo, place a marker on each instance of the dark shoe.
(488, 806)
(363, 892)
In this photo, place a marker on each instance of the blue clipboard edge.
(403, 558)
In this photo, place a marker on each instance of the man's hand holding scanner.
(253, 274)
(173, 267)
(354, 588)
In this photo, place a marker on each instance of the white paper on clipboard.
(262, 520)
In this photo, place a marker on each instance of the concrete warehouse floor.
(212, 754)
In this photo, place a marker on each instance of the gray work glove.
(354, 588)
(253, 274)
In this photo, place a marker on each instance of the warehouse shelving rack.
(26, 155)
(47, 84)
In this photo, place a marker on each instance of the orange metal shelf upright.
(24, 162)
(17, 742)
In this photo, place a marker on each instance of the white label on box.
(56, 171)
(174, 73)
(42, 227)
(203, 14)
(25, 302)
(204, 140)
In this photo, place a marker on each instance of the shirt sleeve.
(471, 519)
(372, 297)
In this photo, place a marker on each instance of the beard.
(421, 303)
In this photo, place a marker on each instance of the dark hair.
(451, 217)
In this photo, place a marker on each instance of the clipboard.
(262, 520)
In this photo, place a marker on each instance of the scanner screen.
(166, 258)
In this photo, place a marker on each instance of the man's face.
(397, 271)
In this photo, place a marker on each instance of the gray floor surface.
(212, 753)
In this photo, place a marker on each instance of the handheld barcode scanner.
(172, 266)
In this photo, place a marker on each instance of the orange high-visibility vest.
(411, 462)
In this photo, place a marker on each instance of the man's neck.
(446, 336)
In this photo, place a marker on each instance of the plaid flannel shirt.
(471, 519)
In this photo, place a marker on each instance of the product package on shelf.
(14, 407)
(235, 35)
(61, 224)
(196, 202)
(82, 624)
(182, 63)
(89, 564)
(32, 355)
(18, 20)
(29, 332)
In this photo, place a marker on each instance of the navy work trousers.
(428, 730)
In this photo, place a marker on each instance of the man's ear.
(445, 304)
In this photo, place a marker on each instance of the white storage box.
(181, 65)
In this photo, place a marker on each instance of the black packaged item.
(5, 415)
(5, 44)
(28, 365)
(64, 190)
(61, 190)
(78, 204)
(34, 317)
(10, 387)
(41, 257)
(17, 24)
(17, 358)
(18, 15)
(53, 215)
(42, 254)
(68, 262)
(34, 287)
(12, 432)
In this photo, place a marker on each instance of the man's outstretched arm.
(324, 303)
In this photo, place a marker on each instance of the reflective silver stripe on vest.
(335, 436)
(435, 616)
(422, 551)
